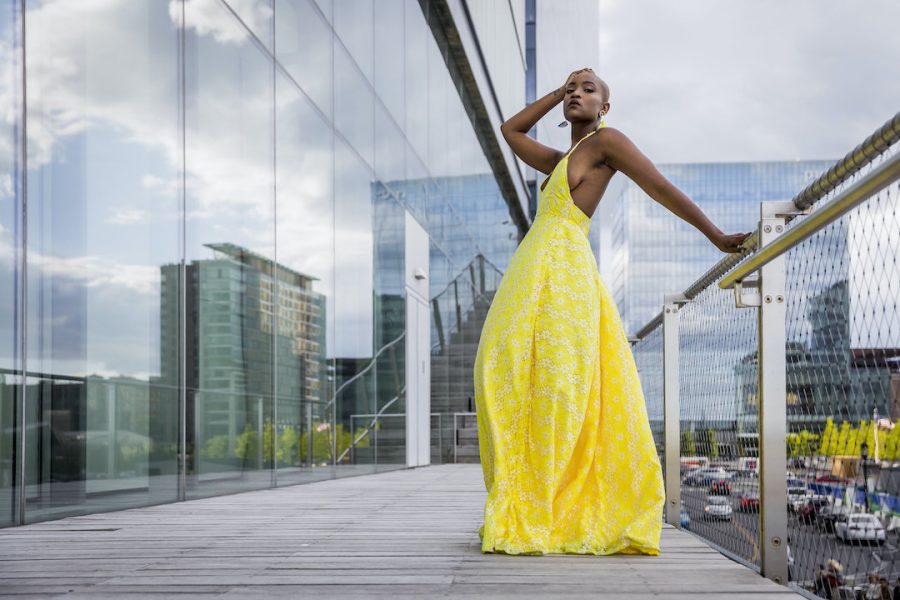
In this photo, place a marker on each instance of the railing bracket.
(746, 293)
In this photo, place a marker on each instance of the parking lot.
(812, 540)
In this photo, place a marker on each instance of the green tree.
(215, 447)
(713, 443)
(287, 453)
(829, 439)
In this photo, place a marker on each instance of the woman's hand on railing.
(732, 242)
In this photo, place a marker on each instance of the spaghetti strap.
(596, 129)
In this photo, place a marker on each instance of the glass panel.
(353, 295)
(256, 15)
(305, 287)
(391, 334)
(416, 42)
(10, 250)
(230, 247)
(389, 57)
(304, 49)
(353, 106)
(353, 24)
(103, 221)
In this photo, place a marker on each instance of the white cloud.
(701, 80)
(207, 17)
(128, 216)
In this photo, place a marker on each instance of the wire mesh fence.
(840, 401)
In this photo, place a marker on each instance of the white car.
(860, 527)
(717, 507)
(797, 496)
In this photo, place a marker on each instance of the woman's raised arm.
(515, 130)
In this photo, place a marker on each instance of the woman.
(566, 449)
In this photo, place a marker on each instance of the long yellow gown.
(569, 461)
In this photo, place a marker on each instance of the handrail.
(886, 174)
(363, 372)
(863, 154)
(483, 257)
(369, 426)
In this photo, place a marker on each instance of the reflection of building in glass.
(473, 220)
(654, 252)
(287, 150)
(232, 301)
(825, 377)
(468, 217)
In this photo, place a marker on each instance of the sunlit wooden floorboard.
(411, 532)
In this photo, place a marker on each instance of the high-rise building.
(647, 251)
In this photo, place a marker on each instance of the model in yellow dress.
(569, 461)
(568, 457)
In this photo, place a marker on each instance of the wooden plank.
(409, 532)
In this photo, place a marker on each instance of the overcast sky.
(705, 80)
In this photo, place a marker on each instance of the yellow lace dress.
(569, 461)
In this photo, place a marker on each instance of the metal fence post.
(772, 391)
(672, 408)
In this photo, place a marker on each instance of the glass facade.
(207, 293)
(11, 196)
(653, 252)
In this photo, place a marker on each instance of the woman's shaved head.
(587, 97)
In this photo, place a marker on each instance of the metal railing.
(371, 430)
(456, 429)
(767, 418)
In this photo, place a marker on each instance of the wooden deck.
(411, 533)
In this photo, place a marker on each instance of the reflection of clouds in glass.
(225, 168)
(10, 100)
(304, 184)
(71, 96)
(6, 184)
(207, 17)
(94, 271)
(127, 216)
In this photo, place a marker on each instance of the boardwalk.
(410, 533)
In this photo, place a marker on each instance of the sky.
(706, 81)
(749, 80)
(692, 81)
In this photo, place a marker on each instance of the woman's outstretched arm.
(621, 154)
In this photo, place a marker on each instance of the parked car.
(797, 496)
(685, 518)
(830, 515)
(720, 487)
(803, 501)
(717, 507)
(860, 527)
(705, 477)
(833, 479)
(809, 511)
(748, 501)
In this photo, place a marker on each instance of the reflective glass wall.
(207, 294)
(11, 201)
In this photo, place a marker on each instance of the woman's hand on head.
(731, 243)
(572, 75)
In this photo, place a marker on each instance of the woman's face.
(584, 99)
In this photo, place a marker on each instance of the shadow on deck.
(410, 532)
